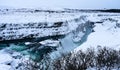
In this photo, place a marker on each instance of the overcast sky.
(82, 4)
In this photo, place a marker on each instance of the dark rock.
(118, 25)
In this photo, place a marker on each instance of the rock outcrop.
(15, 31)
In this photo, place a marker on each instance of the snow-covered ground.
(10, 60)
(106, 33)
(39, 15)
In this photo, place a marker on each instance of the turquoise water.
(32, 51)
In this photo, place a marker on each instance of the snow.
(106, 35)
(22, 17)
(53, 43)
(17, 22)
(27, 43)
(4, 67)
(74, 24)
(5, 58)
(8, 60)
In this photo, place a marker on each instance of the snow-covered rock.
(10, 61)
(5, 58)
(4, 67)
(30, 30)
(21, 24)
(29, 43)
(52, 43)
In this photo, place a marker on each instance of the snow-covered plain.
(40, 15)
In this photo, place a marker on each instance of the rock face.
(14, 31)
(27, 23)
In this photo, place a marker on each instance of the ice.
(52, 43)
(28, 43)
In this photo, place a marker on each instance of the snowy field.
(35, 15)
